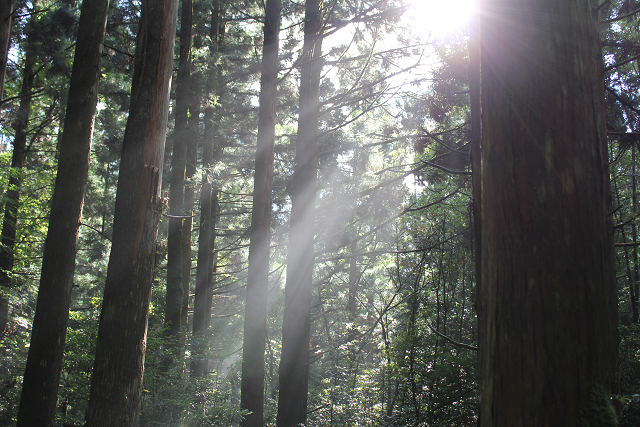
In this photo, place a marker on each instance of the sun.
(439, 18)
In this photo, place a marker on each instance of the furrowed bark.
(547, 318)
(44, 364)
(116, 383)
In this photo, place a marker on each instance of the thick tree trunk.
(174, 297)
(548, 301)
(116, 382)
(7, 9)
(208, 208)
(12, 196)
(44, 363)
(252, 386)
(294, 363)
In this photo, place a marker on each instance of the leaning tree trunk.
(252, 386)
(208, 208)
(12, 196)
(547, 318)
(294, 363)
(116, 383)
(44, 363)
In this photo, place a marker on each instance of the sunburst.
(439, 18)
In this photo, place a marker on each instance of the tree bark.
(44, 363)
(294, 363)
(208, 209)
(252, 385)
(174, 297)
(7, 9)
(12, 196)
(476, 150)
(204, 281)
(187, 228)
(547, 317)
(116, 383)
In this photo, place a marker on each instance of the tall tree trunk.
(7, 9)
(44, 363)
(12, 196)
(187, 228)
(294, 363)
(204, 281)
(208, 209)
(633, 276)
(476, 148)
(252, 385)
(547, 318)
(175, 251)
(116, 382)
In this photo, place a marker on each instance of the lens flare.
(439, 18)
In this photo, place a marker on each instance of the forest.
(319, 213)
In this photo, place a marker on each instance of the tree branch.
(620, 18)
(97, 231)
(12, 98)
(459, 344)
(611, 67)
(117, 50)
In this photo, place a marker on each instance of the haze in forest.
(319, 213)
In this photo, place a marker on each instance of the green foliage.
(597, 411)
(393, 246)
(174, 398)
(75, 379)
(629, 375)
(13, 356)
